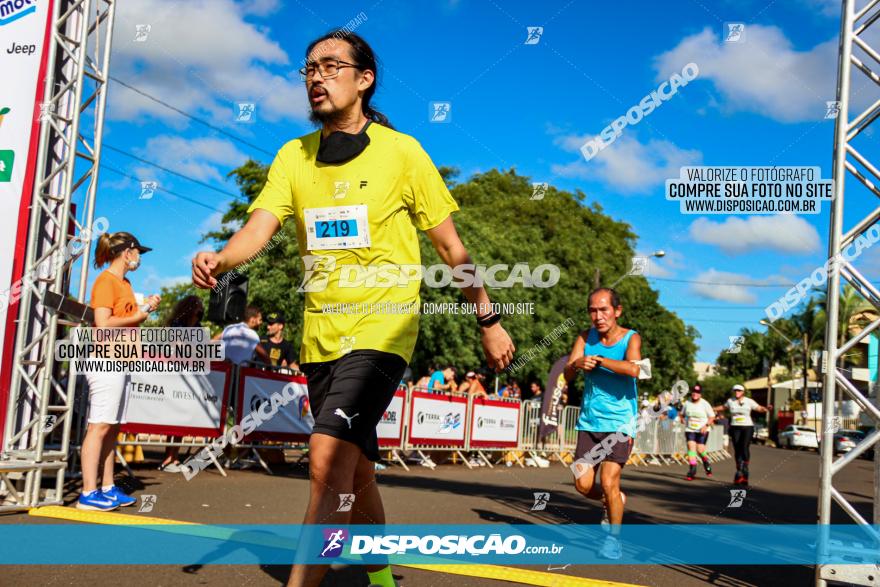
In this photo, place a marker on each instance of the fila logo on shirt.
(340, 188)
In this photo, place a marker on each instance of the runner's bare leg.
(611, 488)
(368, 508)
(332, 465)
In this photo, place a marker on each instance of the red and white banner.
(494, 424)
(390, 428)
(178, 404)
(437, 420)
(291, 422)
(24, 38)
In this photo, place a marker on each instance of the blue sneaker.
(95, 501)
(119, 497)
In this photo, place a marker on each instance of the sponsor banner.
(495, 424)
(291, 423)
(437, 544)
(390, 428)
(437, 420)
(178, 404)
(24, 33)
(551, 405)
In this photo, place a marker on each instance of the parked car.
(761, 434)
(798, 437)
(846, 440)
(868, 454)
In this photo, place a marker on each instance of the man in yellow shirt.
(357, 190)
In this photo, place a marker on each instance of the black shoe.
(708, 467)
(692, 472)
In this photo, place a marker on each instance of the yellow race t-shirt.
(356, 223)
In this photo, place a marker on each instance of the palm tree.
(853, 313)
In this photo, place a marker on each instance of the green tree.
(716, 388)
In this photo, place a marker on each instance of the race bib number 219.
(337, 227)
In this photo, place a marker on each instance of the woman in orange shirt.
(115, 307)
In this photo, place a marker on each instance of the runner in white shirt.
(740, 408)
(698, 417)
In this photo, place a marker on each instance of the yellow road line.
(516, 575)
(510, 574)
(95, 517)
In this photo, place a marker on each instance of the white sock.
(107, 488)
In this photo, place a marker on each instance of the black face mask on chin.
(338, 146)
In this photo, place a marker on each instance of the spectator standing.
(443, 380)
(115, 306)
(472, 385)
(537, 392)
(281, 351)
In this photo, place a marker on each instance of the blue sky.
(757, 102)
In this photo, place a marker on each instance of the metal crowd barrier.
(662, 442)
(456, 426)
(417, 410)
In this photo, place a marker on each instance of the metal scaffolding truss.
(41, 395)
(853, 45)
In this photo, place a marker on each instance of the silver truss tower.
(854, 48)
(67, 165)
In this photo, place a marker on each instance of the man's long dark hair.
(365, 58)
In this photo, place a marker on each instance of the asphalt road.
(784, 491)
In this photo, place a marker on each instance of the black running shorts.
(598, 447)
(349, 395)
(697, 436)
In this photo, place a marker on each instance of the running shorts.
(108, 397)
(697, 437)
(349, 395)
(616, 452)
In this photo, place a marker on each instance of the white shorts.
(108, 397)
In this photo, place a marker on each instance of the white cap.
(738, 387)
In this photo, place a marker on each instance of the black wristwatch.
(488, 319)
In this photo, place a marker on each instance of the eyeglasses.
(329, 68)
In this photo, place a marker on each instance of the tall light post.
(597, 276)
(806, 364)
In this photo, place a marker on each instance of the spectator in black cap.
(281, 351)
(115, 306)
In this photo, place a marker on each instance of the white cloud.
(153, 282)
(260, 7)
(729, 287)
(212, 223)
(197, 158)
(764, 74)
(784, 233)
(628, 165)
(829, 7)
(201, 56)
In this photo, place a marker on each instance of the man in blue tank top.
(607, 354)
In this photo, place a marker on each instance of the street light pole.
(597, 275)
(791, 357)
(806, 378)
